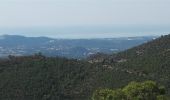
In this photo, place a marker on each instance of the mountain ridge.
(21, 45)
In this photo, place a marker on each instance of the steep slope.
(151, 60)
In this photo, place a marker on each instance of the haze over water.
(84, 18)
(87, 32)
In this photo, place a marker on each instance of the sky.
(81, 18)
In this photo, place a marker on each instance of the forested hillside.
(53, 78)
(41, 78)
(150, 60)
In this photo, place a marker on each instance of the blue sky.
(54, 17)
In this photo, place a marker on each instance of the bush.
(147, 90)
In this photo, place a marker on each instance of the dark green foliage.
(38, 77)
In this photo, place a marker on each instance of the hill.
(70, 48)
(53, 78)
(150, 60)
(42, 78)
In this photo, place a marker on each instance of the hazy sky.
(85, 13)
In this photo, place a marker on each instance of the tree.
(116, 95)
(147, 90)
(102, 94)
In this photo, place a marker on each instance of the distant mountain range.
(70, 48)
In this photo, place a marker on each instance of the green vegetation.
(147, 90)
(41, 78)
(150, 61)
(48, 78)
(53, 78)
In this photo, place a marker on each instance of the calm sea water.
(88, 32)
